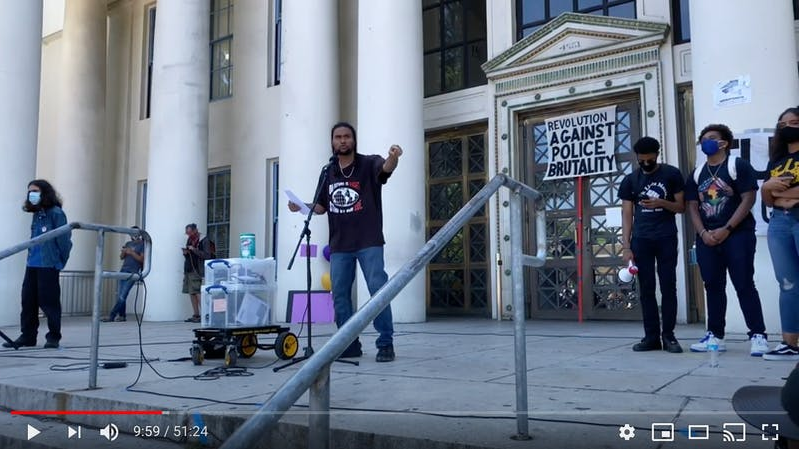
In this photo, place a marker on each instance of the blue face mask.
(35, 197)
(710, 147)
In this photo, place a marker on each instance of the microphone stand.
(306, 233)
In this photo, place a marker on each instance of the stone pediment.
(573, 37)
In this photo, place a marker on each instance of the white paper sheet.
(294, 199)
(613, 217)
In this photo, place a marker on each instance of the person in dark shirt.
(132, 256)
(351, 196)
(781, 191)
(651, 196)
(720, 197)
(198, 249)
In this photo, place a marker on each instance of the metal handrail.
(314, 375)
(99, 274)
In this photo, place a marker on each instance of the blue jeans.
(783, 244)
(342, 273)
(736, 254)
(662, 253)
(122, 296)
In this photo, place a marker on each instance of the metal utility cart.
(232, 343)
(236, 307)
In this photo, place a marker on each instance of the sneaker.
(51, 344)
(385, 354)
(647, 344)
(353, 351)
(19, 342)
(193, 319)
(759, 345)
(120, 319)
(671, 345)
(107, 320)
(701, 346)
(783, 351)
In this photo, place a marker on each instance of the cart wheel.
(286, 345)
(196, 354)
(247, 346)
(231, 356)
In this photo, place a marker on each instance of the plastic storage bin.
(240, 271)
(237, 305)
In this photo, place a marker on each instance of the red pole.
(580, 249)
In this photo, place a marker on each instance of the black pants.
(662, 253)
(735, 255)
(40, 289)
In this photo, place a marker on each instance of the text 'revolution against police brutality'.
(582, 143)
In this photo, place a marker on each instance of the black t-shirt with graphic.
(353, 200)
(787, 166)
(665, 182)
(719, 196)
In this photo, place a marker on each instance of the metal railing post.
(319, 406)
(519, 334)
(98, 293)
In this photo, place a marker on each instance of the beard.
(344, 151)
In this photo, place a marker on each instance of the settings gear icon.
(627, 432)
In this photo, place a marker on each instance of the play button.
(32, 431)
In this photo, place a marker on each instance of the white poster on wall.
(582, 143)
(733, 91)
(752, 146)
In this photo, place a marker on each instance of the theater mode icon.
(699, 432)
(662, 431)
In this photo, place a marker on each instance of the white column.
(178, 159)
(743, 38)
(390, 95)
(20, 68)
(746, 38)
(81, 122)
(309, 84)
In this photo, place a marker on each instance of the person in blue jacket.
(40, 287)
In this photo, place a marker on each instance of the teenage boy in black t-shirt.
(651, 196)
(351, 196)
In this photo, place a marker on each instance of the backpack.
(732, 169)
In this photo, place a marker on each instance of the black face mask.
(789, 134)
(648, 166)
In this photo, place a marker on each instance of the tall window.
(278, 38)
(219, 211)
(221, 43)
(141, 204)
(458, 277)
(454, 44)
(681, 20)
(149, 57)
(533, 14)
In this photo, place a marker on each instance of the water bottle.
(713, 349)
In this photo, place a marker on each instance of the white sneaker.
(701, 346)
(759, 345)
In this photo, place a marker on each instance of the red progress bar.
(87, 412)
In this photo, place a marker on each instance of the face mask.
(648, 166)
(34, 197)
(789, 134)
(710, 147)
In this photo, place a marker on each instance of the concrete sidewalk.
(451, 386)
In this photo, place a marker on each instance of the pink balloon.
(326, 252)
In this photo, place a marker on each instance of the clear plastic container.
(237, 305)
(240, 271)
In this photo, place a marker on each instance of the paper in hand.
(293, 198)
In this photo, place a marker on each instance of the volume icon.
(111, 432)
